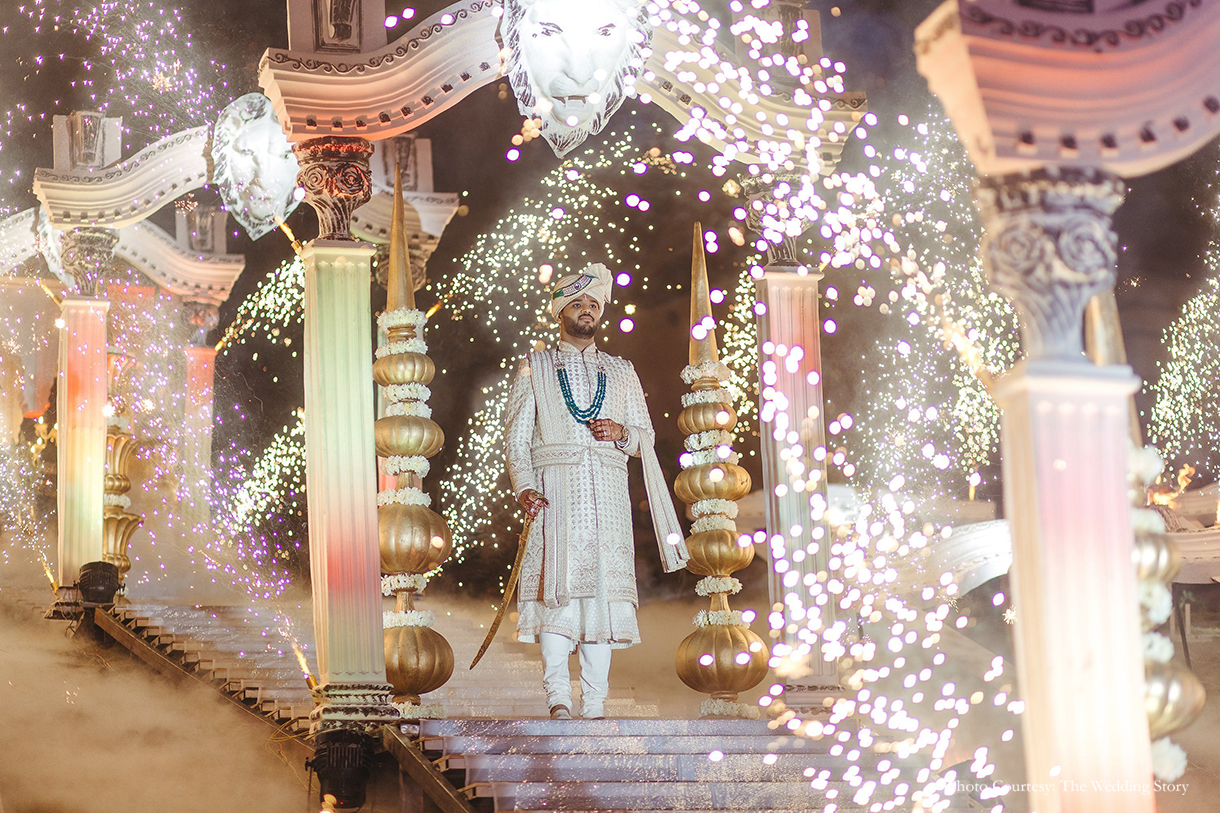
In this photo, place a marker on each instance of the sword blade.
(509, 589)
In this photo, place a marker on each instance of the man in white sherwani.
(575, 415)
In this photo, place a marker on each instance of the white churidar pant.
(594, 673)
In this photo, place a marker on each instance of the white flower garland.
(1145, 521)
(121, 500)
(402, 317)
(713, 707)
(717, 584)
(707, 440)
(403, 496)
(413, 391)
(1144, 464)
(719, 618)
(1157, 647)
(713, 522)
(409, 618)
(397, 348)
(403, 581)
(398, 464)
(426, 711)
(692, 459)
(1157, 600)
(717, 396)
(1168, 760)
(708, 369)
(412, 409)
(704, 507)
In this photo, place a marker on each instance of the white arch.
(118, 196)
(147, 248)
(456, 51)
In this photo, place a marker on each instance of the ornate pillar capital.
(770, 214)
(336, 179)
(1050, 248)
(87, 253)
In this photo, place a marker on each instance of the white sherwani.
(578, 575)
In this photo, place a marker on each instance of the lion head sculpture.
(573, 63)
(254, 165)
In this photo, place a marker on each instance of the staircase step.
(567, 796)
(640, 727)
(654, 767)
(661, 744)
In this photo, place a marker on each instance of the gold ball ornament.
(407, 436)
(116, 484)
(716, 553)
(1174, 698)
(413, 538)
(418, 660)
(712, 481)
(404, 368)
(721, 660)
(706, 417)
(1156, 558)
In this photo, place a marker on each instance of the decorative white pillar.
(198, 422)
(199, 414)
(12, 383)
(81, 447)
(341, 465)
(1050, 248)
(792, 434)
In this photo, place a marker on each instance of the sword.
(509, 589)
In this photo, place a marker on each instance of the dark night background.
(1163, 227)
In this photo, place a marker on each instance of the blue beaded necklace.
(565, 386)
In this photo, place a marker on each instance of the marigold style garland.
(723, 657)
(415, 540)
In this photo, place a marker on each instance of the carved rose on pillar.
(336, 179)
(1050, 248)
(87, 254)
(204, 317)
(766, 189)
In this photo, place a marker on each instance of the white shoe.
(561, 712)
(593, 714)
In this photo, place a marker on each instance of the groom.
(575, 415)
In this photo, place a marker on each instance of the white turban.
(596, 281)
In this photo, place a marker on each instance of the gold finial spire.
(701, 350)
(400, 287)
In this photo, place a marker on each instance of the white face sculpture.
(254, 165)
(574, 62)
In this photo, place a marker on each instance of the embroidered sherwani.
(578, 574)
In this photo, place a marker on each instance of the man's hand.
(532, 501)
(606, 429)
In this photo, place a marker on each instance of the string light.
(1183, 421)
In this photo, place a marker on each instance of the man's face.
(572, 51)
(581, 316)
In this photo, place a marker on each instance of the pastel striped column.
(791, 410)
(198, 420)
(341, 465)
(1080, 663)
(81, 444)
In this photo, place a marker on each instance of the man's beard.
(574, 327)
